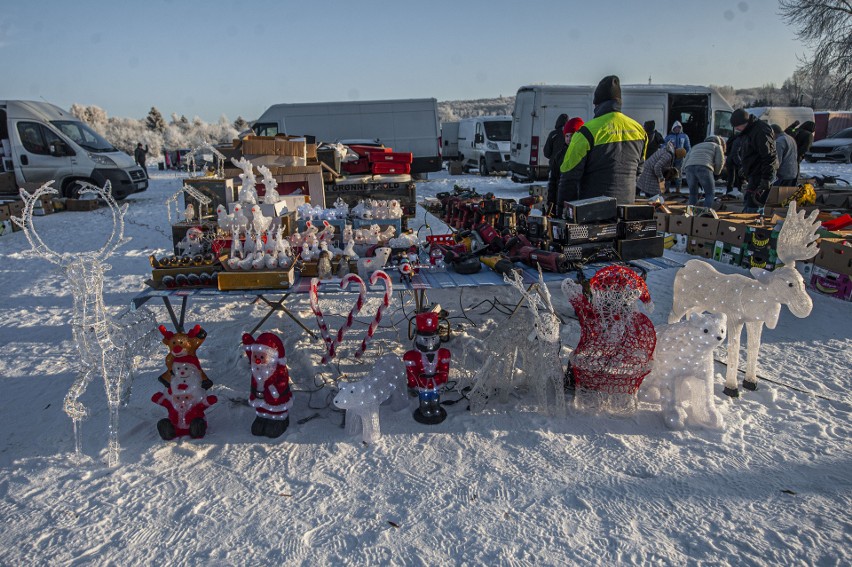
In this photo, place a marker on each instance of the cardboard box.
(830, 283)
(732, 231)
(700, 247)
(662, 221)
(330, 157)
(219, 191)
(778, 195)
(354, 189)
(455, 167)
(81, 204)
(8, 185)
(256, 279)
(765, 259)
(705, 227)
(638, 248)
(680, 224)
(761, 238)
(835, 255)
(277, 146)
(301, 180)
(728, 253)
(593, 209)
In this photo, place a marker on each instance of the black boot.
(258, 426)
(197, 428)
(276, 427)
(166, 429)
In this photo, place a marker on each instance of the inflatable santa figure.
(185, 400)
(270, 384)
(427, 367)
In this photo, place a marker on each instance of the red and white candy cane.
(314, 299)
(362, 299)
(377, 275)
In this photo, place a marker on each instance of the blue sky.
(237, 58)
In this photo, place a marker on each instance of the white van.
(484, 143)
(701, 110)
(782, 115)
(42, 142)
(406, 125)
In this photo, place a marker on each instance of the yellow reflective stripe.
(577, 150)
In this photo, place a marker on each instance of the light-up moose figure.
(106, 345)
(750, 302)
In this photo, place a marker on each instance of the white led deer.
(107, 345)
(751, 302)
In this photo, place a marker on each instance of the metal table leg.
(279, 306)
(177, 322)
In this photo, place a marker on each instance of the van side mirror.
(478, 139)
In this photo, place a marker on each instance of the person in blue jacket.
(678, 140)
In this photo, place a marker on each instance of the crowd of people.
(615, 156)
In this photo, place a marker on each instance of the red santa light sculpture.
(270, 384)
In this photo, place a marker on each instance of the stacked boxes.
(832, 271)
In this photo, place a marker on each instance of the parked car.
(834, 148)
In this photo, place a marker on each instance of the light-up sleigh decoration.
(617, 341)
(750, 302)
(108, 346)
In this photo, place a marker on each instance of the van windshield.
(498, 131)
(84, 136)
(722, 123)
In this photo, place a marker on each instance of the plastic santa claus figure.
(185, 400)
(427, 368)
(270, 384)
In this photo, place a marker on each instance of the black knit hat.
(608, 89)
(739, 117)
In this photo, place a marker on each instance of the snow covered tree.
(240, 124)
(155, 121)
(826, 26)
(94, 116)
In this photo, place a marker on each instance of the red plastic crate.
(390, 167)
(359, 166)
(364, 151)
(394, 157)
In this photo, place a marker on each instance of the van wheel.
(483, 169)
(71, 189)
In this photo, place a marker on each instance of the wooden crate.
(256, 279)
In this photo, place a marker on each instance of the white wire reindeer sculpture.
(750, 302)
(109, 346)
(537, 354)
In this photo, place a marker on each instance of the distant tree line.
(155, 132)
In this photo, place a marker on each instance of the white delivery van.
(450, 141)
(484, 143)
(406, 125)
(782, 115)
(701, 110)
(47, 143)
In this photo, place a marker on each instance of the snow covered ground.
(510, 487)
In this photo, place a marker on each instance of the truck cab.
(41, 142)
(483, 143)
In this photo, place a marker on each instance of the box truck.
(406, 125)
(830, 122)
(701, 110)
(42, 142)
(484, 143)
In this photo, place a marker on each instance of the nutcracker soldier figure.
(427, 367)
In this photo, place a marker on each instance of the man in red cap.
(427, 368)
(270, 384)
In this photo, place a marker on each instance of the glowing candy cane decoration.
(378, 274)
(362, 298)
(318, 312)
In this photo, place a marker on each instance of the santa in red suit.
(185, 400)
(270, 384)
(427, 367)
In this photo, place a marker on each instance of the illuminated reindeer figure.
(751, 302)
(106, 345)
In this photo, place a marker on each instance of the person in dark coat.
(606, 155)
(804, 139)
(554, 150)
(655, 139)
(733, 163)
(140, 155)
(758, 157)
